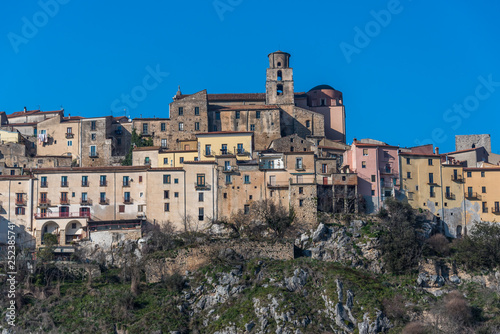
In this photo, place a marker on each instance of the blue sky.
(404, 67)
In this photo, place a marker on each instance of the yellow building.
(212, 144)
(59, 136)
(482, 194)
(9, 137)
(176, 158)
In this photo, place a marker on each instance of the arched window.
(279, 63)
(459, 231)
(280, 76)
(473, 145)
(279, 90)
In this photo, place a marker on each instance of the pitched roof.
(90, 169)
(147, 148)
(246, 107)
(461, 151)
(420, 154)
(222, 133)
(32, 112)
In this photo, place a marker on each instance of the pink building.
(377, 166)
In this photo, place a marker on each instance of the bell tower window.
(279, 63)
(279, 90)
(280, 76)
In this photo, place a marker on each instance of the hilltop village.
(215, 155)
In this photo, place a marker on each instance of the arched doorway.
(74, 231)
(50, 227)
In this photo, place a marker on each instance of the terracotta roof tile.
(222, 133)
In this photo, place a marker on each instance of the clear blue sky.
(399, 85)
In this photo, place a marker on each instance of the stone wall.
(466, 142)
(191, 259)
(188, 118)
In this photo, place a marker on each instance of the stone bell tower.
(279, 79)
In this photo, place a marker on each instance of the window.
(181, 126)
(257, 114)
(176, 194)
(121, 208)
(469, 191)
(197, 126)
(102, 197)
(225, 195)
(247, 179)
(298, 163)
(118, 141)
(448, 192)
(485, 207)
(373, 178)
(408, 161)
(252, 127)
(280, 75)
(363, 164)
(20, 211)
(69, 130)
(166, 207)
(240, 149)
(217, 115)
(301, 190)
(64, 181)
(164, 143)
(308, 124)
(201, 213)
(386, 155)
(432, 193)
(215, 127)
(227, 165)
(93, 151)
(200, 180)
(70, 143)
(84, 197)
(322, 102)
(85, 181)
(469, 174)
(43, 182)
(431, 178)
(365, 151)
(482, 174)
(373, 192)
(196, 111)
(93, 125)
(144, 128)
(126, 181)
(102, 180)
(301, 202)
(176, 181)
(429, 162)
(279, 90)
(166, 179)
(181, 111)
(165, 161)
(93, 136)
(228, 179)
(408, 175)
(208, 150)
(237, 115)
(126, 197)
(246, 209)
(483, 190)
(163, 126)
(181, 160)
(200, 197)
(166, 194)
(324, 168)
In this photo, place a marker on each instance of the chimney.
(25, 110)
(437, 150)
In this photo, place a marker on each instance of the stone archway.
(50, 227)
(73, 231)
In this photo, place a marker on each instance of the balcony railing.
(457, 178)
(81, 214)
(21, 201)
(146, 134)
(103, 183)
(202, 186)
(278, 184)
(450, 196)
(93, 155)
(85, 183)
(126, 184)
(44, 184)
(85, 201)
(64, 183)
(128, 200)
(208, 153)
(472, 195)
(432, 194)
(485, 210)
(104, 201)
(495, 210)
(44, 202)
(242, 152)
(300, 166)
(69, 135)
(64, 200)
(230, 169)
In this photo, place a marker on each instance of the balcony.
(69, 135)
(432, 194)
(44, 184)
(128, 200)
(278, 185)
(104, 201)
(208, 153)
(202, 186)
(103, 183)
(432, 183)
(93, 155)
(457, 178)
(21, 201)
(485, 210)
(300, 167)
(45, 215)
(85, 201)
(450, 196)
(146, 134)
(64, 201)
(85, 183)
(472, 196)
(126, 184)
(64, 183)
(44, 202)
(230, 169)
(495, 210)
(242, 152)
